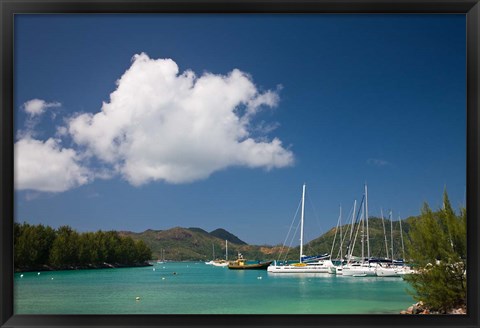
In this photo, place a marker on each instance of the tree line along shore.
(39, 247)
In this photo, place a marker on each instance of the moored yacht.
(321, 264)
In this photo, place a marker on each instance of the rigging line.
(316, 217)
(360, 209)
(351, 230)
(336, 230)
(355, 222)
(345, 233)
(401, 237)
(315, 213)
(291, 241)
(288, 233)
(384, 232)
(390, 215)
(356, 234)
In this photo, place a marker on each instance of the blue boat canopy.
(306, 259)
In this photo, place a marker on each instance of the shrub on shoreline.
(437, 244)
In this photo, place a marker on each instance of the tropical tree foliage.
(32, 244)
(37, 246)
(437, 245)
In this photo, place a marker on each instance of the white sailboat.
(161, 261)
(392, 270)
(361, 268)
(320, 266)
(213, 255)
(222, 263)
(389, 270)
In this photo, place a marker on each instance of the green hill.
(196, 244)
(225, 235)
(323, 244)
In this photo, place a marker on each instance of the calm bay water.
(197, 288)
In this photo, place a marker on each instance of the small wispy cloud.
(93, 195)
(36, 107)
(377, 162)
(32, 196)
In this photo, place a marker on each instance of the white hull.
(388, 272)
(338, 270)
(406, 270)
(358, 271)
(220, 264)
(318, 267)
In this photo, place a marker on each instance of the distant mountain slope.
(198, 230)
(323, 244)
(196, 244)
(225, 235)
(182, 244)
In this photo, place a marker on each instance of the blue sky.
(111, 135)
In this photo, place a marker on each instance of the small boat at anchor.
(241, 264)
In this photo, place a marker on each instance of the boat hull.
(388, 272)
(337, 270)
(325, 267)
(358, 271)
(256, 266)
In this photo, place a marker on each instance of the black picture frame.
(8, 9)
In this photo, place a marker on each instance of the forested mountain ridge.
(323, 244)
(195, 244)
(182, 244)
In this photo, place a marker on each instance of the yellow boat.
(241, 264)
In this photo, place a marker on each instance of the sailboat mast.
(366, 217)
(363, 232)
(401, 236)
(391, 232)
(341, 237)
(301, 222)
(226, 250)
(335, 237)
(349, 248)
(384, 233)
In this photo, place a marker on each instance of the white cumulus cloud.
(163, 125)
(46, 166)
(36, 107)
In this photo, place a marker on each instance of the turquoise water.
(197, 288)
